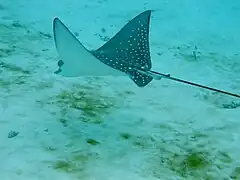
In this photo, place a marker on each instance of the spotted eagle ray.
(125, 54)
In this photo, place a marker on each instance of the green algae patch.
(78, 164)
(14, 81)
(63, 165)
(236, 173)
(191, 164)
(125, 136)
(92, 142)
(196, 160)
(86, 104)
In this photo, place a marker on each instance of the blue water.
(108, 128)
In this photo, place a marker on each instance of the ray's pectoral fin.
(129, 51)
(76, 60)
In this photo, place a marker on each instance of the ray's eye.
(60, 63)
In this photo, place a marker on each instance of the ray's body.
(126, 53)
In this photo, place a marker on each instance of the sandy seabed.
(107, 128)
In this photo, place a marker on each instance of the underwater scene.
(119, 90)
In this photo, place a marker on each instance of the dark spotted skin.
(129, 50)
